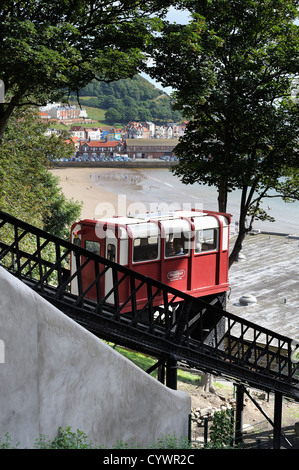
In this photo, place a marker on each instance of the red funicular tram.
(187, 250)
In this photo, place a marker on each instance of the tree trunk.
(5, 114)
(237, 247)
(222, 195)
(242, 228)
(207, 383)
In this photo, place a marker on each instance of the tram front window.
(95, 247)
(206, 240)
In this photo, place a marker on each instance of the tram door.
(111, 255)
(89, 271)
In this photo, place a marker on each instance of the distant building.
(74, 141)
(83, 113)
(49, 106)
(62, 113)
(93, 133)
(136, 130)
(98, 148)
(151, 128)
(44, 115)
(150, 148)
(78, 131)
(147, 130)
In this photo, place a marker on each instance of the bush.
(67, 439)
(221, 435)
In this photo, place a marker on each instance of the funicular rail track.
(181, 329)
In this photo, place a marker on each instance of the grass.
(145, 362)
(96, 114)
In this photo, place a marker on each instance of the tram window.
(206, 240)
(145, 249)
(77, 241)
(175, 246)
(111, 252)
(95, 247)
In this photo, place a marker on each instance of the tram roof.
(154, 216)
(141, 218)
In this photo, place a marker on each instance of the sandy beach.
(122, 191)
(78, 184)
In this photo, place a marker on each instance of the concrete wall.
(55, 373)
(141, 163)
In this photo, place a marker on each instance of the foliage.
(168, 441)
(129, 100)
(221, 433)
(235, 69)
(28, 190)
(7, 442)
(221, 437)
(48, 48)
(145, 362)
(171, 441)
(62, 212)
(66, 439)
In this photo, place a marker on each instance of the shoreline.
(80, 184)
(138, 163)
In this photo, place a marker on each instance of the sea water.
(261, 274)
(160, 190)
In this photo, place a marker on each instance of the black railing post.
(277, 420)
(171, 373)
(161, 372)
(206, 430)
(239, 414)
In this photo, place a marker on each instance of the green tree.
(131, 113)
(48, 48)
(112, 115)
(234, 68)
(145, 114)
(27, 189)
(126, 93)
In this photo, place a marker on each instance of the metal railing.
(182, 327)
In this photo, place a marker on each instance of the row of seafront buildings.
(135, 140)
(61, 112)
(131, 148)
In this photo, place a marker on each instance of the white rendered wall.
(55, 373)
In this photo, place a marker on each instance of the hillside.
(126, 100)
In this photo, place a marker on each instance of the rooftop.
(270, 273)
(151, 142)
